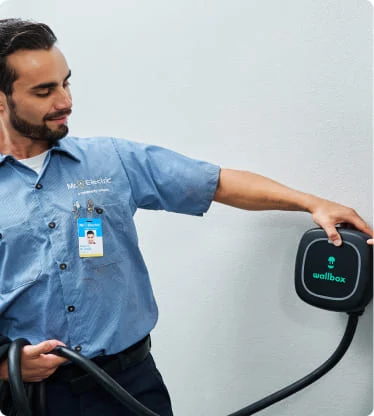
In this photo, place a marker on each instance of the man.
(103, 307)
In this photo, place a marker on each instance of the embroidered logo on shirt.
(82, 183)
(89, 186)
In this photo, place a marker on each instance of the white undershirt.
(35, 162)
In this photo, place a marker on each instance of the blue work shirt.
(97, 305)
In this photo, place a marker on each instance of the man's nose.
(63, 99)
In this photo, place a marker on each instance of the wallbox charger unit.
(335, 278)
(329, 277)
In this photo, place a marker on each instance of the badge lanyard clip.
(76, 207)
(90, 208)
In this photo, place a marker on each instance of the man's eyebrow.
(47, 85)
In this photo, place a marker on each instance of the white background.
(282, 88)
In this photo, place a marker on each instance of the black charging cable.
(311, 377)
(21, 402)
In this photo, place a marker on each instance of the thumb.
(34, 351)
(333, 235)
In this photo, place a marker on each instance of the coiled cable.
(18, 391)
(21, 402)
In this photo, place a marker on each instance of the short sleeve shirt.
(98, 305)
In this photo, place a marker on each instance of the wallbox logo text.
(329, 276)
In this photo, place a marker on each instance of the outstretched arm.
(250, 191)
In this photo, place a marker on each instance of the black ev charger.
(332, 278)
(329, 277)
(335, 278)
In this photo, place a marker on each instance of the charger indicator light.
(331, 262)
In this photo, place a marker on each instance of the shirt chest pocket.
(20, 257)
(117, 235)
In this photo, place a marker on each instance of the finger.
(51, 360)
(333, 235)
(34, 351)
(361, 225)
(371, 241)
(365, 228)
(37, 369)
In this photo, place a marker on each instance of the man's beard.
(34, 131)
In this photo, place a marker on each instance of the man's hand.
(328, 214)
(36, 364)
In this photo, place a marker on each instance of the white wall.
(280, 88)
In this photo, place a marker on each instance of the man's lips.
(59, 117)
(60, 120)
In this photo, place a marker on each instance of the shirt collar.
(63, 146)
(2, 158)
(67, 146)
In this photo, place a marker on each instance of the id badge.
(90, 237)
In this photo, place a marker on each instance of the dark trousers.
(143, 381)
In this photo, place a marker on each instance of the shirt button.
(52, 225)
(99, 210)
(62, 266)
(38, 186)
(71, 308)
(78, 348)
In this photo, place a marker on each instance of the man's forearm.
(250, 191)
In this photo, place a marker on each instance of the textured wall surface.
(280, 88)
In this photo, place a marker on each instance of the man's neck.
(20, 147)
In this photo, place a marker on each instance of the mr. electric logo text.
(83, 183)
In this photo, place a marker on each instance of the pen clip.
(90, 208)
(76, 207)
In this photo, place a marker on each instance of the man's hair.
(90, 232)
(17, 34)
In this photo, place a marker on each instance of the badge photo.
(90, 237)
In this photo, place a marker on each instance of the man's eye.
(43, 94)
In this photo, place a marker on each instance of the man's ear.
(2, 102)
